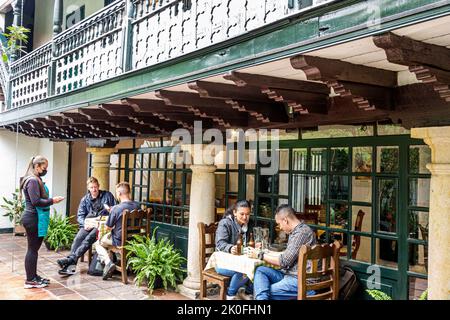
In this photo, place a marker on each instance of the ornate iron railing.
(133, 34)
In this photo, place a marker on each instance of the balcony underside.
(399, 75)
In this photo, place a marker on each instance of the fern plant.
(424, 295)
(378, 295)
(60, 232)
(14, 208)
(150, 259)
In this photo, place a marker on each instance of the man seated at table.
(91, 205)
(272, 284)
(114, 225)
(234, 224)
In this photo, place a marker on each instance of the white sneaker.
(232, 297)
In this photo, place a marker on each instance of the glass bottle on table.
(239, 245)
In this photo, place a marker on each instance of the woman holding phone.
(35, 217)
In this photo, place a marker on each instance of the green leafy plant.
(14, 208)
(380, 295)
(150, 259)
(15, 37)
(60, 232)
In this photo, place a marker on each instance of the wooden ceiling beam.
(369, 88)
(429, 62)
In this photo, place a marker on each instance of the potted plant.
(380, 295)
(154, 262)
(60, 233)
(16, 36)
(14, 209)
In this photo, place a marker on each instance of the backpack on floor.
(348, 283)
(96, 267)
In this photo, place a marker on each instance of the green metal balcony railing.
(129, 35)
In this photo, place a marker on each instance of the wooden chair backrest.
(207, 241)
(326, 278)
(357, 238)
(135, 222)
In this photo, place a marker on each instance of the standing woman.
(36, 199)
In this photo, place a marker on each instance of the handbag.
(43, 218)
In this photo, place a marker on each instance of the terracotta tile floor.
(77, 287)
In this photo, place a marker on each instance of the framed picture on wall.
(75, 16)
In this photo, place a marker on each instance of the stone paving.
(80, 286)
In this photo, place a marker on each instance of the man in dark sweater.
(93, 204)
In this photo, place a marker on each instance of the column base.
(194, 294)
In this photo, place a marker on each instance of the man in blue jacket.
(95, 203)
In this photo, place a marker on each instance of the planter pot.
(47, 245)
(19, 230)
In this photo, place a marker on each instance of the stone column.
(202, 209)
(438, 138)
(101, 164)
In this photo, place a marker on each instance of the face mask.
(43, 173)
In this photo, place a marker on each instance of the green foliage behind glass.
(15, 37)
(149, 259)
(60, 232)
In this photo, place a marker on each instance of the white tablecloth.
(241, 263)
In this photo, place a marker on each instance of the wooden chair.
(206, 250)
(133, 223)
(356, 241)
(326, 279)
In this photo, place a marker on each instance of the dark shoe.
(35, 283)
(64, 262)
(44, 280)
(68, 270)
(108, 271)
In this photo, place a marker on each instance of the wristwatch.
(261, 255)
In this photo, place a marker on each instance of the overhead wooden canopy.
(332, 92)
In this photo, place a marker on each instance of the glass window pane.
(220, 189)
(418, 258)
(178, 217)
(284, 159)
(387, 195)
(232, 159)
(419, 192)
(307, 189)
(338, 131)
(338, 215)
(186, 218)
(418, 225)
(387, 253)
(361, 248)
(283, 184)
(114, 159)
(339, 159)
(156, 186)
(419, 157)
(387, 159)
(265, 207)
(233, 182)
(362, 189)
(318, 159)
(162, 161)
(339, 187)
(154, 160)
(137, 194)
(416, 287)
(250, 159)
(299, 159)
(362, 159)
(146, 161)
(250, 187)
(362, 219)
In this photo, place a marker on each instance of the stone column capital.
(101, 151)
(203, 168)
(439, 168)
(438, 139)
(203, 154)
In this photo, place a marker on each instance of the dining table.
(99, 223)
(239, 263)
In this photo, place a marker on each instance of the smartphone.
(106, 206)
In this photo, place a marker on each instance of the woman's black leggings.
(30, 222)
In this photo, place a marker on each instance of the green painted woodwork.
(343, 21)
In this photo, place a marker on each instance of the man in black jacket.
(93, 204)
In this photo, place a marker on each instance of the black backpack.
(348, 283)
(96, 267)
